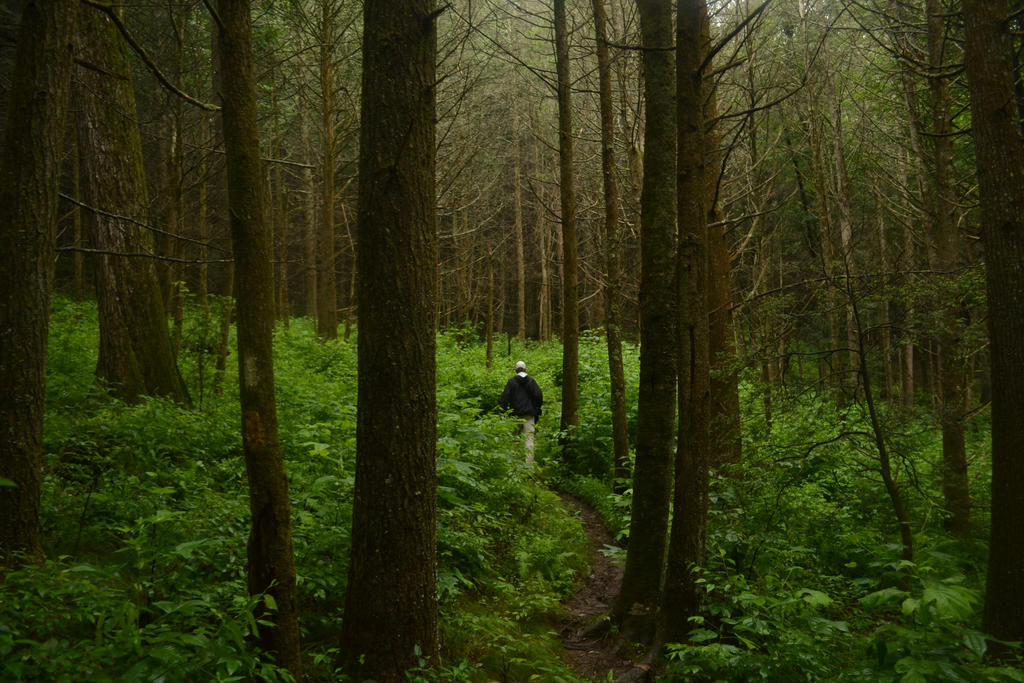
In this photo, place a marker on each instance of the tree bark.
(567, 195)
(203, 223)
(726, 443)
(652, 473)
(29, 180)
(307, 218)
(136, 356)
(999, 150)
(517, 189)
(681, 596)
(613, 252)
(390, 622)
(326, 281)
(271, 564)
(279, 211)
(945, 258)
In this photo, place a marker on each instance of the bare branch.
(141, 52)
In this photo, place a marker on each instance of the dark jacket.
(522, 396)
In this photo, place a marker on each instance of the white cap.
(520, 365)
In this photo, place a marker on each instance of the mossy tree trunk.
(652, 473)
(999, 149)
(136, 356)
(271, 565)
(567, 194)
(326, 280)
(390, 621)
(29, 179)
(681, 596)
(613, 250)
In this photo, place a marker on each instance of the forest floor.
(592, 652)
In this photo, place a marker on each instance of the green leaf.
(270, 602)
(163, 515)
(702, 635)
(884, 597)
(976, 642)
(910, 605)
(188, 548)
(914, 670)
(950, 602)
(7, 482)
(814, 598)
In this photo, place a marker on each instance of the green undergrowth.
(805, 579)
(145, 519)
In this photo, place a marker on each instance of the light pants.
(529, 424)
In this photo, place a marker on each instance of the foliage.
(804, 579)
(145, 508)
(145, 511)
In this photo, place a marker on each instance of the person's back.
(523, 397)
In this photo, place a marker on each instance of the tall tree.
(613, 249)
(933, 157)
(29, 179)
(326, 282)
(517, 189)
(815, 123)
(652, 473)
(391, 603)
(726, 443)
(271, 564)
(681, 595)
(945, 257)
(136, 357)
(567, 194)
(999, 150)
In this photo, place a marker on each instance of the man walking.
(522, 395)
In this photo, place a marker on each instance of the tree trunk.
(726, 443)
(652, 474)
(351, 309)
(834, 353)
(326, 282)
(886, 304)
(945, 257)
(390, 622)
(271, 565)
(544, 313)
(613, 253)
(203, 223)
(307, 219)
(520, 243)
(681, 596)
(844, 220)
(908, 352)
(567, 194)
(999, 149)
(892, 487)
(78, 267)
(224, 338)
(489, 329)
(29, 180)
(278, 210)
(136, 357)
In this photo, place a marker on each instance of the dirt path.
(593, 656)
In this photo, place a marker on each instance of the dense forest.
(268, 265)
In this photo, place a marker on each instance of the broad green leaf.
(976, 642)
(884, 597)
(702, 635)
(814, 598)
